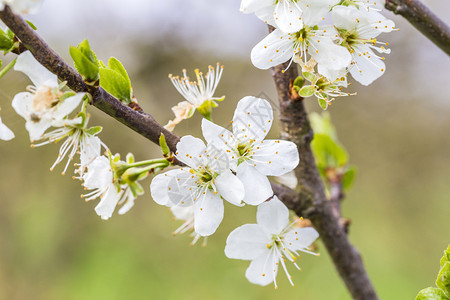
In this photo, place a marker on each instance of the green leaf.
(114, 83)
(323, 103)
(310, 76)
(31, 24)
(114, 79)
(348, 177)
(443, 279)
(307, 91)
(431, 293)
(446, 257)
(117, 66)
(6, 42)
(321, 123)
(327, 152)
(85, 61)
(163, 144)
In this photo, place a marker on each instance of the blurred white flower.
(22, 6)
(46, 103)
(269, 242)
(5, 133)
(202, 184)
(357, 31)
(250, 156)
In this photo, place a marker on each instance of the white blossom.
(202, 184)
(250, 156)
(46, 103)
(5, 133)
(357, 31)
(199, 94)
(269, 242)
(317, 41)
(101, 180)
(79, 139)
(22, 6)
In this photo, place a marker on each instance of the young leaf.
(446, 257)
(163, 144)
(327, 152)
(431, 293)
(443, 279)
(348, 177)
(85, 61)
(114, 79)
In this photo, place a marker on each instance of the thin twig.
(426, 21)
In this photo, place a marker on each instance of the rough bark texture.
(311, 201)
(421, 17)
(140, 122)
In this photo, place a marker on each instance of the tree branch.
(421, 17)
(311, 201)
(142, 123)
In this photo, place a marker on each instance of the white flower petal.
(266, 15)
(247, 242)
(5, 133)
(301, 238)
(257, 186)
(182, 212)
(344, 17)
(188, 150)
(288, 16)
(37, 129)
(67, 106)
(38, 74)
(216, 134)
(252, 119)
(316, 10)
(108, 202)
(332, 59)
(275, 157)
(173, 187)
(25, 6)
(251, 6)
(208, 213)
(263, 270)
(368, 67)
(273, 215)
(99, 174)
(274, 49)
(230, 187)
(22, 103)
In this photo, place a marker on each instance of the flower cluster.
(339, 35)
(45, 105)
(233, 165)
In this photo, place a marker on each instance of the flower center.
(244, 151)
(45, 98)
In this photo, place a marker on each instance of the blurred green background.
(53, 246)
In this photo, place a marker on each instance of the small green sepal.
(307, 91)
(323, 103)
(443, 279)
